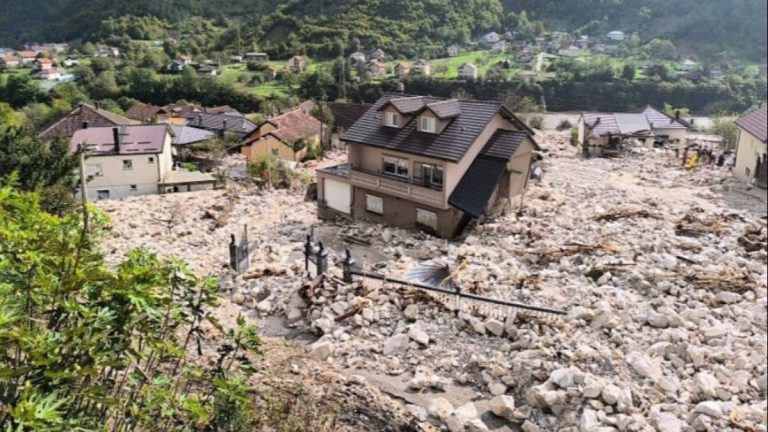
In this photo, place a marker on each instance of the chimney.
(116, 138)
(85, 125)
(96, 104)
(677, 115)
(693, 121)
(224, 125)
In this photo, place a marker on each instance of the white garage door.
(338, 196)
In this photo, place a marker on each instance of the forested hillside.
(707, 27)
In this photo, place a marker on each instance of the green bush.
(564, 125)
(536, 122)
(575, 137)
(83, 346)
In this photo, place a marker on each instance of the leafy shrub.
(536, 122)
(575, 137)
(564, 125)
(84, 346)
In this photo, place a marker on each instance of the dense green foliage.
(85, 347)
(317, 26)
(37, 163)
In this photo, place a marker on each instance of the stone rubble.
(666, 325)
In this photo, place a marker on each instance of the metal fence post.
(308, 249)
(347, 266)
(321, 260)
(234, 256)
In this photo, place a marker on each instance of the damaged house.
(604, 134)
(428, 163)
(751, 158)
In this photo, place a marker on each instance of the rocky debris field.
(662, 272)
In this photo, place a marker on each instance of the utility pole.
(81, 148)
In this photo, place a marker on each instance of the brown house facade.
(428, 163)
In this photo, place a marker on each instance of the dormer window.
(428, 124)
(392, 119)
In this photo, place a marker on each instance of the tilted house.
(752, 148)
(421, 67)
(288, 136)
(134, 160)
(229, 123)
(83, 116)
(423, 162)
(468, 71)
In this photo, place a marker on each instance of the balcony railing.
(402, 187)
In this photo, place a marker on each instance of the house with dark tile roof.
(288, 136)
(229, 122)
(604, 134)
(752, 148)
(146, 113)
(428, 163)
(84, 116)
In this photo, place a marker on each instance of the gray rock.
(497, 389)
(418, 335)
(563, 378)
(477, 425)
(706, 384)
(709, 408)
(411, 312)
(667, 422)
(644, 365)
(611, 394)
(494, 327)
(439, 408)
(395, 344)
(503, 406)
(321, 350)
(459, 418)
(529, 427)
(589, 420)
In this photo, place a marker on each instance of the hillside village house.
(254, 57)
(421, 67)
(357, 59)
(378, 54)
(42, 64)
(468, 71)
(402, 69)
(375, 68)
(434, 164)
(207, 70)
(26, 57)
(288, 137)
(453, 51)
(146, 113)
(133, 160)
(9, 61)
(489, 39)
(106, 51)
(48, 74)
(83, 116)
(616, 36)
(752, 148)
(297, 64)
(226, 123)
(605, 133)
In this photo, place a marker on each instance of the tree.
(628, 72)
(727, 129)
(20, 90)
(86, 346)
(8, 118)
(35, 162)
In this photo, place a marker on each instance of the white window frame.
(428, 124)
(428, 171)
(374, 204)
(402, 166)
(95, 170)
(392, 119)
(426, 218)
(127, 164)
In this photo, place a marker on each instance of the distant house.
(402, 69)
(223, 109)
(524, 56)
(128, 161)
(752, 148)
(527, 76)
(572, 51)
(270, 73)
(146, 113)
(236, 59)
(375, 68)
(70, 62)
(9, 61)
(288, 136)
(207, 70)
(489, 39)
(297, 64)
(42, 64)
(499, 46)
(255, 57)
(185, 136)
(231, 123)
(616, 36)
(378, 54)
(453, 50)
(106, 51)
(716, 75)
(468, 71)
(51, 74)
(26, 57)
(688, 65)
(583, 42)
(83, 116)
(421, 67)
(357, 59)
(176, 66)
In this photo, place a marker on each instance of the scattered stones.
(321, 350)
(439, 408)
(460, 418)
(411, 312)
(503, 406)
(494, 327)
(395, 343)
(709, 408)
(418, 335)
(644, 365)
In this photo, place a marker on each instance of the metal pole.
(83, 187)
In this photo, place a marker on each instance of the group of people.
(696, 154)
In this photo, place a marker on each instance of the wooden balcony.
(402, 188)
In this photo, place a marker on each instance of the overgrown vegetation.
(85, 347)
(270, 171)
